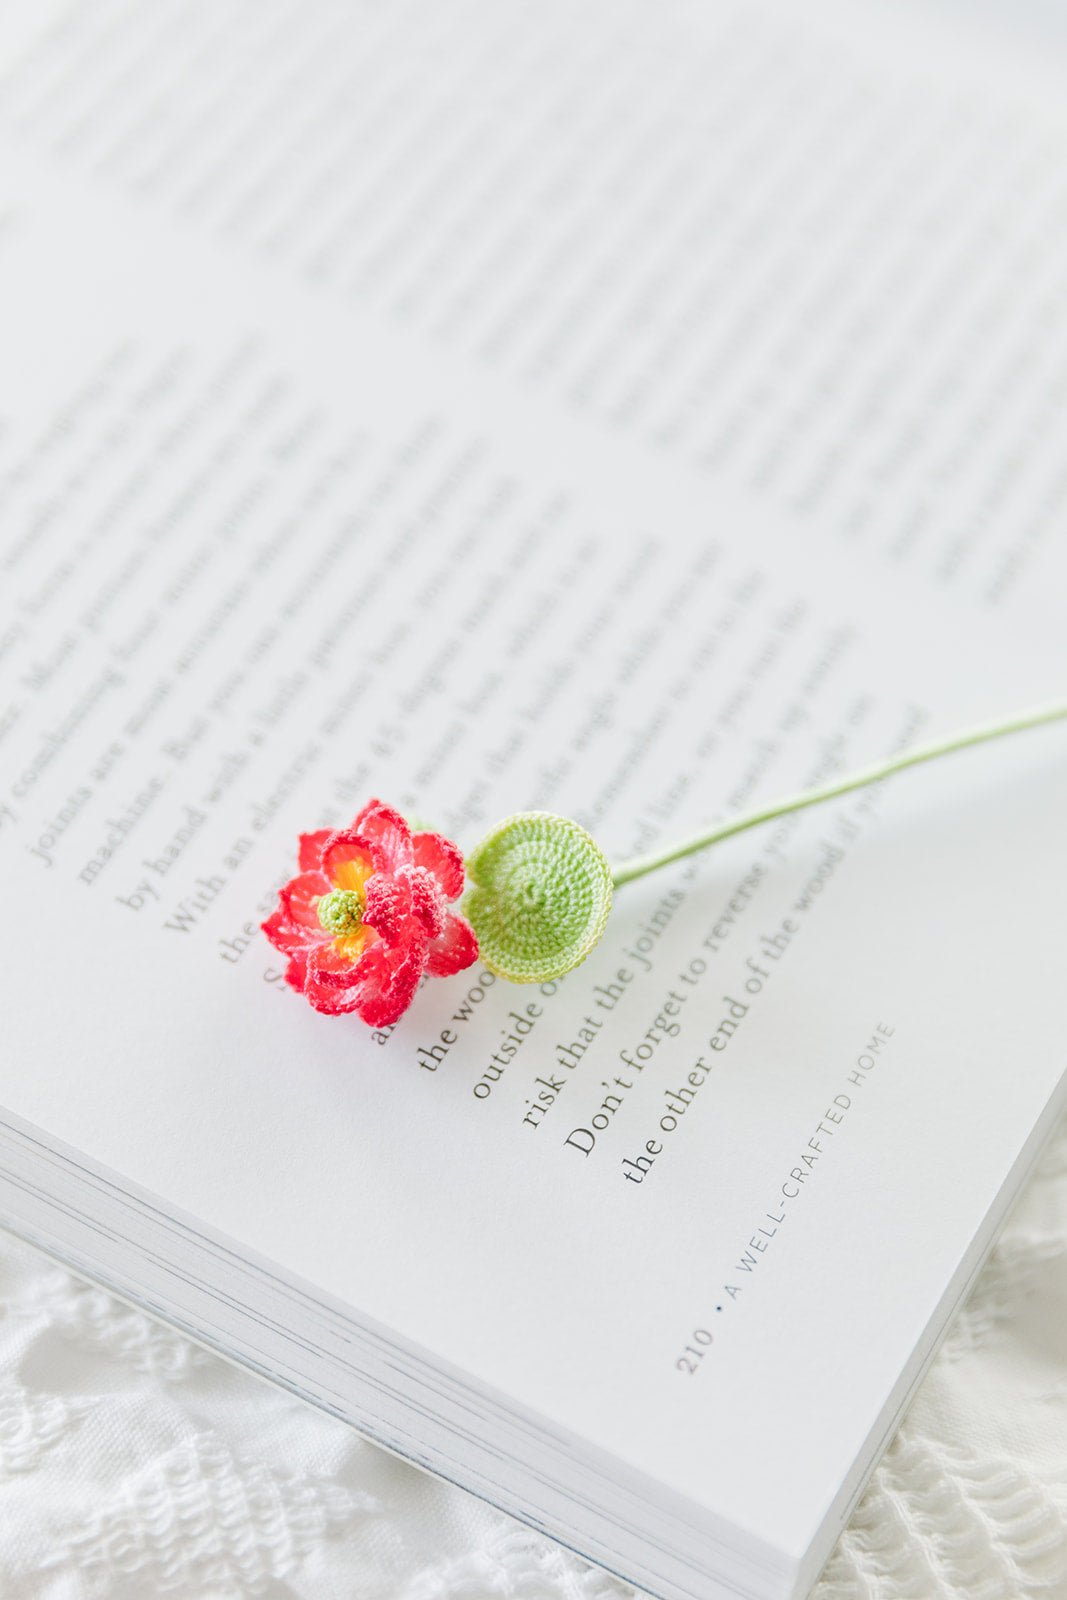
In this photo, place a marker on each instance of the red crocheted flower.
(368, 915)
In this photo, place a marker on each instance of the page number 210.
(693, 1354)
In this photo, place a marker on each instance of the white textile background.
(134, 1464)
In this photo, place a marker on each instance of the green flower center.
(341, 911)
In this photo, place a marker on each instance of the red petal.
(427, 903)
(388, 833)
(299, 900)
(311, 850)
(382, 985)
(326, 970)
(390, 983)
(333, 1002)
(345, 845)
(333, 985)
(330, 966)
(442, 858)
(296, 971)
(289, 936)
(456, 948)
(388, 907)
(277, 928)
(291, 943)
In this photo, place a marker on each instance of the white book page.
(263, 557)
(819, 255)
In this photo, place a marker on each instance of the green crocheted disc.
(539, 897)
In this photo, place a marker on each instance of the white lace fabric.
(134, 1464)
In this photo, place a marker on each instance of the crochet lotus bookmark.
(369, 913)
(370, 910)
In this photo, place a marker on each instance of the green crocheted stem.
(541, 888)
(539, 897)
(829, 791)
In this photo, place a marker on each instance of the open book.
(631, 411)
